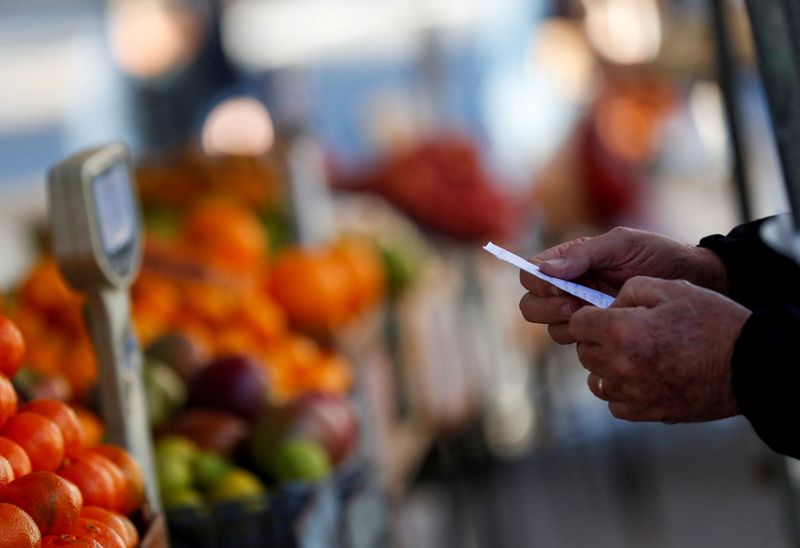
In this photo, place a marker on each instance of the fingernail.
(566, 311)
(554, 263)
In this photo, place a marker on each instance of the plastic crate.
(344, 512)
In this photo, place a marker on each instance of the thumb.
(579, 256)
(642, 291)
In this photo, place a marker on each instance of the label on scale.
(588, 294)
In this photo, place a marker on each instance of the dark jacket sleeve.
(765, 365)
(757, 275)
(766, 376)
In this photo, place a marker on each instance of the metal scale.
(96, 232)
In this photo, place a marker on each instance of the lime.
(174, 472)
(209, 468)
(181, 498)
(235, 485)
(177, 447)
(301, 460)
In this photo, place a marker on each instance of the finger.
(633, 411)
(559, 332)
(597, 359)
(548, 310)
(584, 254)
(597, 386)
(642, 291)
(537, 286)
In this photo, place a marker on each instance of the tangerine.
(117, 522)
(64, 417)
(17, 528)
(366, 269)
(6, 471)
(12, 347)
(16, 457)
(315, 291)
(53, 502)
(72, 541)
(8, 399)
(91, 427)
(134, 477)
(98, 531)
(39, 437)
(93, 479)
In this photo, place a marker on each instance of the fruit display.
(212, 286)
(58, 487)
(441, 184)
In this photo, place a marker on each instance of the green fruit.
(300, 460)
(165, 391)
(173, 473)
(209, 468)
(178, 447)
(237, 484)
(181, 498)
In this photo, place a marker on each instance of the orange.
(315, 291)
(94, 480)
(12, 347)
(100, 532)
(332, 375)
(17, 528)
(117, 522)
(91, 427)
(360, 257)
(53, 502)
(264, 318)
(6, 471)
(16, 457)
(71, 541)
(134, 477)
(39, 437)
(225, 234)
(8, 399)
(64, 417)
(115, 472)
(79, 366)
(45, 288)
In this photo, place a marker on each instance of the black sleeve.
(766, 376)
(765, 369)
(757, 276)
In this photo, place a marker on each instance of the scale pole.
(777, 50)
(726, 74)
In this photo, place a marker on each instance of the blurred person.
(696, 333)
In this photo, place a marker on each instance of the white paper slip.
(597, 298)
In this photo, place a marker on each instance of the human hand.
(605, 263)
(662, 351)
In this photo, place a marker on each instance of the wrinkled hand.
(606, 262)
(663, 351)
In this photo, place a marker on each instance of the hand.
(605, 263)
(662, 351)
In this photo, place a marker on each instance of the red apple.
(326, 419)
(210, 429)
(232, 383)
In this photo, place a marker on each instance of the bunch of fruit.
(442, 185)
(56, 487)
(211, 280)
(189, 477)
(229, 440)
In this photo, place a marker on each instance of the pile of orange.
(213, 279)
(322, 289)
(56, 488)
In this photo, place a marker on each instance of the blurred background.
(425, 128)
